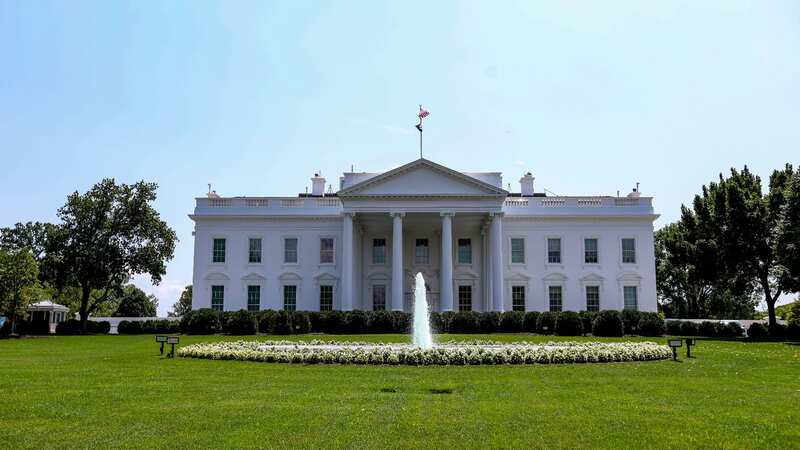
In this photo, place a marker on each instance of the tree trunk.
(84, 312)
(771, 310)
(14, 315)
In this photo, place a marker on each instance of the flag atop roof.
(423, 113)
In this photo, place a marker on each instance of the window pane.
(290, 250)
(254, 253)
(218, 252)
(630, 294)
(554, 251)
(518, 298)
(593, 298)
(518, 251)
(217, 298)
(290, 298)
(590, 251)
(629, 250)
(254, 298)
(465, 298)
(555, 298)
(379, 297)
(325, 297)
(465, 251)
(326, 251)
(379, 251)
(421, 254)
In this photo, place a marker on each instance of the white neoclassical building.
(478, 246)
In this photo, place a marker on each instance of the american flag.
(423, 113)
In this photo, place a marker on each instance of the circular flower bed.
(448, 353)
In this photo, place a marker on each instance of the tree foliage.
(184, 303)
(19, 274)
(134, 302)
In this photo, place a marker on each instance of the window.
(517, 251)
(593, 298)
(379, 251)
(325, 297)
(290, 297)
(554, 292)
(465, 298)
(379, 297)
(554, 251)
(326, 251)
(217, 298)
(465, 251)
(218, 253)
(590, 251)
(421, 252)
(630, 294)
(254, 252)
(629, 251)
(518, 298)
(290, 251)
(254, 298)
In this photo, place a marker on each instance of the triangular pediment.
(423, 178)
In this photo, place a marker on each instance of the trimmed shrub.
(265, 321)
(281, 322)
(689, 328)
(73, 326)
(630, 319)
(356, 322)
(708, 329)
(128, 327)
(488, 322)
(35, 327)
(674, 327)
(777, 331)
(608, 323)
(440, 321)
(757, 330)
(529, 322)
(793, 331)
(159, 326)
(381, 322)
(316, 318)
(201, 321)
(587, 317)
(729, 330)
(464, 322)
(568, 323)
(651, 324)
(301, 322)
(401, 321)
(546, 324)
(512, 322)
(241, 322)
(5, 330)
(334, 322)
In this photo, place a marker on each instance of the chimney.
(317, 185)
(526, 185)
(635, 192)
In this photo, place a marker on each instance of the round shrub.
(793, 331)
(651, 324)
(281, 322)
(301, 323)
(729, 330)
(777, 331)
(546, 323)
(488, 322)
(689, 328)
(201, 321)
(356, 322)
(512, 321)
(464, 322)
(707, 329)
(529, 323)
(71, 326)
(440, 321)
(129, 327)
(333, 322)
(757, 330)
(103, 327)
(316, 318)
(401, 322)
(381, 322)
(265, 321)
(241, 322)
(630, 319)
(568, 323)
(608, 323)
(587, 318)
(674, 327)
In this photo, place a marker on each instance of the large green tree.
(737, 236)
(107, 235)
(134, 302)
(19, 274)
(184, 303)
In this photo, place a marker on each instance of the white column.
(397, 261)
(347, 262)
(496, 235)
(446, 300)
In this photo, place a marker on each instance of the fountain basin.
(448, 353)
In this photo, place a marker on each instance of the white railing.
(553, 202)
(256, 202)
(626, 201)
(327, 202)
(271, 205)
(516, 202)
(292, 203)
(220, 203)
(579, 205)
(590, 202)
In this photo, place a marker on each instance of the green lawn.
(116, 391)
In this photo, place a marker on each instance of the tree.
(109, 234)
(34, 236)
(19, 274)
(134, 302)
(738, 236)
(184, 303)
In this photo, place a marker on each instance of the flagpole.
(420, 143)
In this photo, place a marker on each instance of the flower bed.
(449, 353)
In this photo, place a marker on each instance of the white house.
(478, 246)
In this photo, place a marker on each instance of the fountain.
(422, 326)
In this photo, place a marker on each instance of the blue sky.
(254, 97)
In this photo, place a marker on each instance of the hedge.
(568, 323)
(73, 326)
(239, 323)
(162, 326)
(608, 323)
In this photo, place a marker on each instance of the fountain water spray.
(422, 326)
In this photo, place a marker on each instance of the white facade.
(479, 247)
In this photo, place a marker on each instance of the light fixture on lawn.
(674, 344)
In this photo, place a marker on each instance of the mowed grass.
(116, 391)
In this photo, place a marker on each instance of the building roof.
(47, 305)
